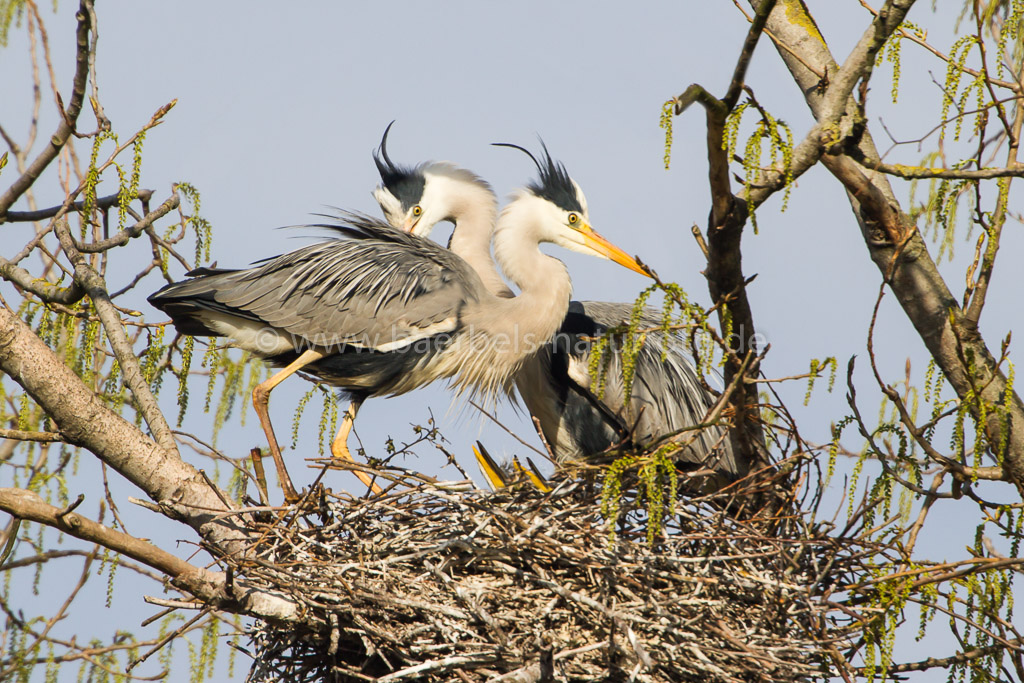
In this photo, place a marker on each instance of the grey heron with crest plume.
(555, 385)
(377, 311)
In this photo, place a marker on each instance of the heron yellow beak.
(409, 224)
(495, 477)
(605, 248)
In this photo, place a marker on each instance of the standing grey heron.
(555, 384)
(377, 311)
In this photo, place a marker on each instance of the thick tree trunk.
(181, 492)
(893, 242)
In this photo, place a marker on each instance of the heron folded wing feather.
(357, 290)
(666, 395)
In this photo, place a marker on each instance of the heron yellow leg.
(261, 402)
(339, 447)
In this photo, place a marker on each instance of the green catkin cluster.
(113, 563)
(203, 659)
(211, 362)
(186, 364)
(611, 494)
(235, 387)
(87, 363)
(1004, 409)
(858, 467)
(298, 415)
(630, 338)
(166, 654)
(154, 352)
(1013, 28)
(201, 226)
(932, 383)
(890, 598)
(328, 418)
(600, 359)
(10, 10)
(667, 112)
(92, 178)
(779, 137)
(667, 309)
(816, 367)
(238, 484)
(632, 343)
(130, 190)
(955, 70)
(658, 483)
(890, 52)
(945, 209)
(833, 449)
(984, 599)
(967, 94)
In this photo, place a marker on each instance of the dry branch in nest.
(432, 583)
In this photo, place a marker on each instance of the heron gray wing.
(374, 287)
(666, 395)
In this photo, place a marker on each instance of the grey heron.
(377, 311)
(555, 384)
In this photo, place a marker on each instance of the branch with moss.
(921, 173)
(45, 290)
(895, 246)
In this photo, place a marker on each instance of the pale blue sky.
(279, 109)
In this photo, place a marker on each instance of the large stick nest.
(435, 583)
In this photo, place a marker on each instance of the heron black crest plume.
(404, 183)
(554, 183)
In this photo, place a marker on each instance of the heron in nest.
(377, 311)
(575, 419)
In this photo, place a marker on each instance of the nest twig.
(432, 584)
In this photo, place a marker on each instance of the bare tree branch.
(124, 236)
(211, 587)
(106, 202)
(68, 116)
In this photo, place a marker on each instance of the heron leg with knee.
(261, 402)
(339, 447)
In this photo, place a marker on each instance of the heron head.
(417, 198)
(560, 208)
(400, 190)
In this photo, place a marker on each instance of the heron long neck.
(505, 332)
(471, 240)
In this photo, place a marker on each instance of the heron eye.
(573, 219)
(417, 210)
